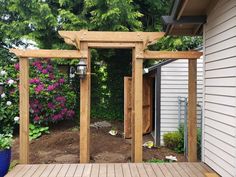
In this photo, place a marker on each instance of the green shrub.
(5, 141)
(51, 98)
(172, 140)
(175, 140)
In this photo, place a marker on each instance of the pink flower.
(61, 99)
(51, 105)
(49, 67)
(36, 118)
(17, 66)
(35, 81)
(70, 113)
(44, 71)
(39, 88)
(61, 81)
(51, 88)
(51, 76)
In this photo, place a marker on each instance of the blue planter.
(5, 158)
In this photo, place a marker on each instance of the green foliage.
(172, 140)
(5, 141)
(175, 140)
(156, 161)
(36, 131)
(23, 22)
(46, 105)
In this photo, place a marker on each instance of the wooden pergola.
(85, 40)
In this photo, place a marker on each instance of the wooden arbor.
(84, 40)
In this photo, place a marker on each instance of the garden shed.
(215, 20)
(170, 95)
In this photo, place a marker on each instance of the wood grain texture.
(41, 53)
(171, 55)
(72, 37)
(111, 170)
(24, 110)
(192, 111)
(137, 118)
(85, 85)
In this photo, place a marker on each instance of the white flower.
(3, 72)
(9, 103)
(16, 119)
(12, 59)
(72, 75)
(10, 81)
(3, 95)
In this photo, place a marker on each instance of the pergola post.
(192, 110)
(85, 85)
(24, 110)
(137, 105)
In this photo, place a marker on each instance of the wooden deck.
(112, 170)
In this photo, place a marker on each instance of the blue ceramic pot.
(5, 158)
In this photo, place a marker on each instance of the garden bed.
(62, 146)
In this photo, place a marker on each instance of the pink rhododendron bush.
(51, 97)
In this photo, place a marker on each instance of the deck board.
(111, 170)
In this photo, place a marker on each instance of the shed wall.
(219, 123)
(174, 83)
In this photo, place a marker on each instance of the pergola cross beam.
(41, 53)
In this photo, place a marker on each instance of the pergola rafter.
(85, 40)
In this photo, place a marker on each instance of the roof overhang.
(187, 17)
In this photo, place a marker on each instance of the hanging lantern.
(81, 69)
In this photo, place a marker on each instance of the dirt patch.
(62, 146)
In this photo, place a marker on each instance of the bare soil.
(62, 146)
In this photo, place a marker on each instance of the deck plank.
(32, 170)
(55, 170)
(13, 172)
(172, 170)
(103, 170)
(40, 170)
(149, 170)
(63, 170)
(87, 170)
(126, 170)
(47, 170)
(207, 168)
(118, 170)
(141, 170)
(111, 170)
(180, 170)
(71, 170)
(164, 170)
(195, 170)
(157, 170)
(95, 170)
(134, 170)
(24, 170)
(79, 170)
(186, 169)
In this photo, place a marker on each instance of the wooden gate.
(147, 105)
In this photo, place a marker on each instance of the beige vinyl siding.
(174, 83)
(219, 122)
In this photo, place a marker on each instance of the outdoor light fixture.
(80, 69)
(1, 88)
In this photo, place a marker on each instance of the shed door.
(147, 105)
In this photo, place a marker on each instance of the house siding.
(219, 119)
(174, 84)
